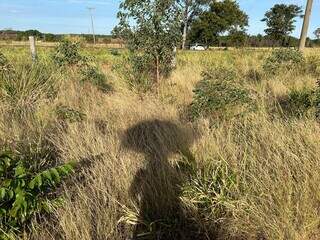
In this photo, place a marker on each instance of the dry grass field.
(148, 171)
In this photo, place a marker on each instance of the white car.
(197, 47)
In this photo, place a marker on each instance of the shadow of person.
(156, 187)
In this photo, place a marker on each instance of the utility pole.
(92, 26)
(306, 21)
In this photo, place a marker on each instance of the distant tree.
(256, 40)
(151, 29)
(280, 21)
(221, 17)
(49, 37)
(190, 10)
(317, 33)
(32, 32)
(237, 38)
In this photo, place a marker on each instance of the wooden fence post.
(33, 50)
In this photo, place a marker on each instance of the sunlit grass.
(254, 177)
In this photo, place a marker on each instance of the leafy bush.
(283, 59)
(135, 71)
(316, 100)
(313, 65)
(91, 73)
(26, 191)
(67, 53)
(299, 103)
(115, 52)
(218, 95)
(69, 114)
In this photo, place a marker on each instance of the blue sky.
(71, 16)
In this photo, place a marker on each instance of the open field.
(149, 170)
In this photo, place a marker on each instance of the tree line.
(224, 23)
(14, 35)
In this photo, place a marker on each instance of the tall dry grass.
(254, 177)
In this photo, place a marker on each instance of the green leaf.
(19, 171)
(32, 183)
(55, 175)
(36, 182)
(39, 180)
(2, 193)
(6, 182)
(10, 194)
(47, 175)
(18, 203)
(22, 183)
(65, 169)
(3, 212)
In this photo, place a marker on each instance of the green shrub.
(66, 113)
(316, 100)
(115, 52)
(67, 53)
(139, 69)
(26, 191)
(297, 103)
(300, 103)
(218, 95)
(135, 71)
(313, 65)
(283, 59)
(91, 73)
(301, 100)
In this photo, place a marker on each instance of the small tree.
(151, 29)
(280, 21)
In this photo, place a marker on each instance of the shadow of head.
(157, 138)
(156, 187)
